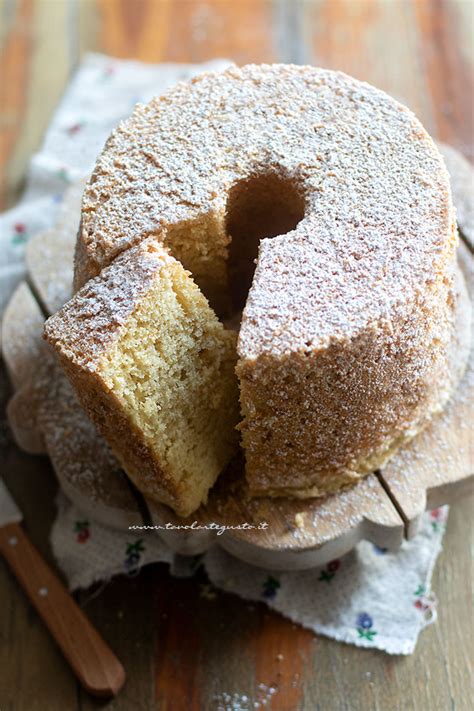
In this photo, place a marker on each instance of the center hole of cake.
(261, 206)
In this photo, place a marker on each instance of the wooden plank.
(50, 255)
(373, 41)
(228, 628)
(447, 61)
(133, 29)
(186, 31)
(421, 52)
(124, 612)
(178, 647)
(35, 64)
(446, 649)
(21, 350)
(22, 322)
(50, 63)
(15, 47)
(282, 652)
(242, 31)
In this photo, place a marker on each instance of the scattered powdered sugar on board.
(234, 701)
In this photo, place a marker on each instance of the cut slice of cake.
(154, 369)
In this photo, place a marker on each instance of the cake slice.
(154, 369)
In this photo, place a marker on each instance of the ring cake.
(341, 199)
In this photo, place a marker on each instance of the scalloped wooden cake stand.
(384, 508)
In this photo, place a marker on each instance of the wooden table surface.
(181, 649)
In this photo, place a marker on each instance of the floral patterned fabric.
(370, 597)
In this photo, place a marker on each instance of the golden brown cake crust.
(319, 421)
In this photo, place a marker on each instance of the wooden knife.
(92, 660)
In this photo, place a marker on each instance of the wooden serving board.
(384, 508)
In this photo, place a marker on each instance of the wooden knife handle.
(94, 663)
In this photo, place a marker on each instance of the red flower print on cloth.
(330, 571)
(75, 128)
(438, 518)
(425, 602)
(19, 233)
(108, 72)
(82, 531)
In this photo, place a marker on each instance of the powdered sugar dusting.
(85, 326)
(378, 215)
(81, 458)
(43, 254)
(21, 322)
(49, 255)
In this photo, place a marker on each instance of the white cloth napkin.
(370, 598)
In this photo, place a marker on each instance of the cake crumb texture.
(154, 369)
